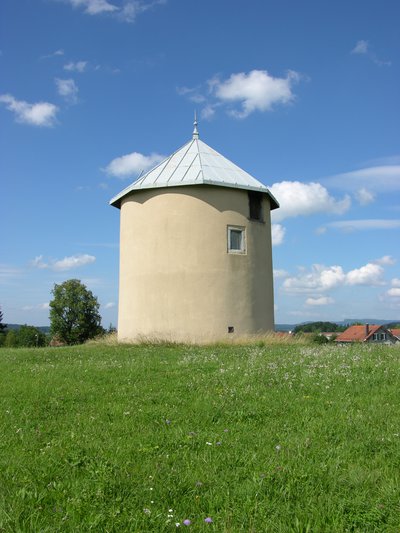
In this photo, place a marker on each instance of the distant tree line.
(319, 327)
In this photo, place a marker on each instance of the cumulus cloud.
(386, 260)
(364, 197)
(40, 114)
(370, 274)
(296, 198)
(132, 164)
(322, 300)
(321, 278)
(242, 93)
(78, 66)
(254, 91)
(396, 282)
(394, 292)
(277, 234)
(68, 263)
(67, 89)
(361, 225)
(109, 305)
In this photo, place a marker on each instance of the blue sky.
(302, 95)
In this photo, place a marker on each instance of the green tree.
(30, 336)
(317, 327)
(11, 340)
(3, 328)
(74, 313)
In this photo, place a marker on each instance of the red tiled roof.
(395, 332)
(357, 333)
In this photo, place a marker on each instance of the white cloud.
(322, 300)
(94, 7)
(54, 54)
(207, 112)
(109, 305)
(255, 91)
(38, 262)
(42, 307)
(279, 273)
(127, 13)
(277, 234)
(78, 66)
(132, 8)
(364, 197)
(67, 89)
(321, 278)
(73, 261)
(39, 114)
(369, 274)
(382, 178)
(361, 47)
(68, 263)
(396, 282)
(296, 198)
(386, 260)
(360, 225)
(132, 164)
(394, 292)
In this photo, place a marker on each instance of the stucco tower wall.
(178, 281)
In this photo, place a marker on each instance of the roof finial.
(195, 130)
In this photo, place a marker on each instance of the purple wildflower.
(187, 522)
(208, 520)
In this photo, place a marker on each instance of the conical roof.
(195, 163)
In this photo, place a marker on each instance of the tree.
(30, 336)
(317, 327)
(74, 313)
(3, 328)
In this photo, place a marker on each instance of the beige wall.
(177, 280)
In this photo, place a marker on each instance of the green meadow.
(226, 438)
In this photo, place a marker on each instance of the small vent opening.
(231, 329)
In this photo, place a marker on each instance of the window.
(255, 206)
(236, 240)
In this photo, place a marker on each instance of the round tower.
(195, 250)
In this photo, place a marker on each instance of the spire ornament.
(195, 130)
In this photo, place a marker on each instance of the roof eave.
(116, 200)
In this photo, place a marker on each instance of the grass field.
(280, 438)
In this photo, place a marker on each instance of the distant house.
(368, 333)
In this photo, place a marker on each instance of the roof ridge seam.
(182, 158)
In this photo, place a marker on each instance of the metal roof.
(195, 163)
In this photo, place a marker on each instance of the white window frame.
(243, 248)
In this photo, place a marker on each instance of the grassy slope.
(281, 438)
